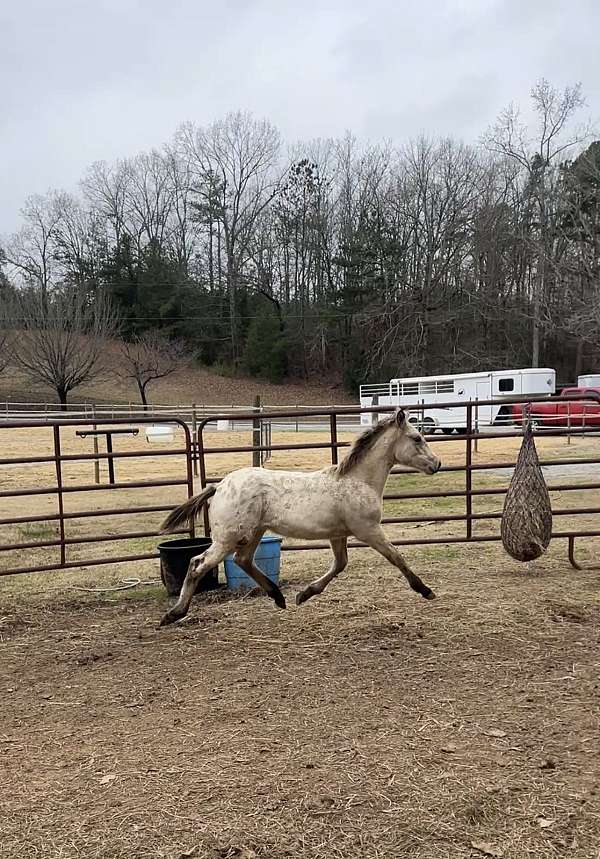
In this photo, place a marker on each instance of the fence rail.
(198, 452)
(470, 437)
(60, 489)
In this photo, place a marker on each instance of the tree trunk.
(142, 390)
(231, 289)
(579, 358)
(535, 342)
(211, 260)
(62, 398)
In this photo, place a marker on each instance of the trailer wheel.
(424, 425)
(447, 430)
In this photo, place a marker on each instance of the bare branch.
(149, 357)
(61, 338)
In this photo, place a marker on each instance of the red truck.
(575, 413)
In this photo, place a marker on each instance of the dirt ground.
(367, 723)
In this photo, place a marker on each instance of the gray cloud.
(85, 81)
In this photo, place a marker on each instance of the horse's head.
(411, 449)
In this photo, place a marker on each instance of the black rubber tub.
(175, 556)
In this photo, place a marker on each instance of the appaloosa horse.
(333, 503)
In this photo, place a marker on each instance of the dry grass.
(367, 723)
(190, 384)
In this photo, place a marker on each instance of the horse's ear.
(400, 417)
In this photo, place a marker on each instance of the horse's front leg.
(198, 567)
(376, 539)
(339, 563)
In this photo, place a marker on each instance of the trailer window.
(445, 387)
(506, 384)
(408, 389)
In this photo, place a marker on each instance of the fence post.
(256, 457)
(334, 439)
(469, 472)
(59, 494)
(194, 440)
(476, 440)
(95, 440)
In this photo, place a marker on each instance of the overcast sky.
(88, 80)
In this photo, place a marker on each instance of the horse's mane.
(361, 446)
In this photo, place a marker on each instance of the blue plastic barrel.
(267, 558)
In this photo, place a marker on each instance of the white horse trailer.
(500, 385)
(591, 380)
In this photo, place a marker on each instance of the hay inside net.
(527, 516)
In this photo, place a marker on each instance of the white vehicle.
(499, 385)
(591, 380)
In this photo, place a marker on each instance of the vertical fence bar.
(189, 456)
(202, 463)
(333, 433)
(111, 462)
(95, 443)
(59, 493)
(469, 473)
(256, 453)
(194, 431)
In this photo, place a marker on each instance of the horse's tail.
(187, 512)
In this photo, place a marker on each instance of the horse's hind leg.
(244, 558)
(376, 539)
(198, 567)
(339, 563)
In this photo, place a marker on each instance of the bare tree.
(61, 338)
(79, 241)
(105, 187)
(6, 333)
(235, 158)
(150, 357)
(31, 250)
(537, 156)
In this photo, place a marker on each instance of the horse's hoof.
(168, 618)
(279, 600)
(427, 594)
(304, 596)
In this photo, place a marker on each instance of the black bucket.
(175, 557)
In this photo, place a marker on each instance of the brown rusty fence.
(198, 453)
(61, 489)
(471, 437)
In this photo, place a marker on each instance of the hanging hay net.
(526, 526)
